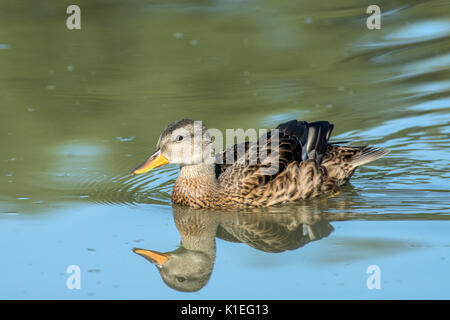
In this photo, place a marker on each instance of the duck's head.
(184, 142)
(181, 269)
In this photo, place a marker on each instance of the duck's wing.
(254, 164)
(258, 162)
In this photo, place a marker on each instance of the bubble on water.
(12, 159)
(23, 198)
(4, 46)
(125, 139)
(60, 174)
(193, 42)
(70, 68)
(51, 87)
(84, 196)
(30, 109)
(178, 35)
(10, 214)
(308, 20)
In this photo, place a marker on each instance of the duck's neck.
(202, 170)
(197, 186)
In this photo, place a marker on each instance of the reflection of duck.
(189, 267)
(294, 163)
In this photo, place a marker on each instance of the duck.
(293, 162)
(189, 267)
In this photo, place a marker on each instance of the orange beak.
(155, 161)
(153, 256)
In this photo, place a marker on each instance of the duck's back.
(293, 162)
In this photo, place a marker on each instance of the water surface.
(80, 109)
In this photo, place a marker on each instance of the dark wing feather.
(244, 159)
(313, 137)
(318, 134)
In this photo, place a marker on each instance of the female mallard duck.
(293, 162)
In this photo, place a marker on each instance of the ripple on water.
(154, 188)
(409, 34)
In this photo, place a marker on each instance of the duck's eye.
(178, 138)
(180, 279)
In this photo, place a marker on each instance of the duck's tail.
(341, 161)
(368, 154)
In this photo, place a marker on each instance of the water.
(80, 109)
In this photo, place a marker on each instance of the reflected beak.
(154, 257)
(155, 161)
